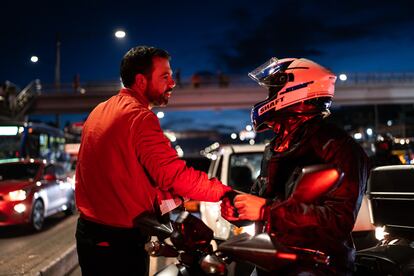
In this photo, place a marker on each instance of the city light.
(357, 136)
(369, 131)
(34, 59)
(171, 136)
(245, 134)
(160, 115)
(233, 136)
(8, 130)
(343, 77)
(389, 123)
(249, 128)
(120, 34)
(179, 151)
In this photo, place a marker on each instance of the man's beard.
(160, 99)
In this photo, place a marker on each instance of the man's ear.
(141, 82)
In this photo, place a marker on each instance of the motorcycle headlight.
(17, 195)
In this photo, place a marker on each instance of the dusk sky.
(231, 36)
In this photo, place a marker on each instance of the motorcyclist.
(300, 95)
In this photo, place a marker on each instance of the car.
(239, 166)
(390, 194)
(32, 190)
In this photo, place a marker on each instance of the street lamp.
(343, 77)
(34, 59)
(120, 34)
(160, 114)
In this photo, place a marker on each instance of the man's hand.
(249, 206)
(228, 211)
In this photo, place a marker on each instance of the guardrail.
(233, 81)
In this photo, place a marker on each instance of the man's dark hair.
(138, 60)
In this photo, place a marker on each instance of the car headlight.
(17, 195)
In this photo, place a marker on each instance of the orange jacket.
(124, 158)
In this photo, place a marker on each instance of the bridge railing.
(87, 87)
(111, 87)
(373, 79)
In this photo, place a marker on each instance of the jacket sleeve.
(334, 215)
(163, 166)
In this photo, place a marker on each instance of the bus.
(31, 140)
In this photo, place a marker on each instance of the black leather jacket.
(325, 225)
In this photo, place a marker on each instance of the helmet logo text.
(270, 105)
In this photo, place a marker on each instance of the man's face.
(161, 83)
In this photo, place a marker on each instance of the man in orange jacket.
(125, 162)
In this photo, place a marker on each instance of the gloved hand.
(249, 207)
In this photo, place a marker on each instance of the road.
(156, 264)
(26, 253)
(23, 252)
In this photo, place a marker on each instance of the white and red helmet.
(296, 85)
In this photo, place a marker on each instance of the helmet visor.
(262, 74)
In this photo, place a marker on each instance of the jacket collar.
(138, 96)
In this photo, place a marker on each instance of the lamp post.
(57, 64)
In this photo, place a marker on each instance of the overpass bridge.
(240, 93)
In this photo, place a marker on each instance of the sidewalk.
(53, 253)
(49, 252)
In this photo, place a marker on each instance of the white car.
(237, 166)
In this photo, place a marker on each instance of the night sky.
(231, 36)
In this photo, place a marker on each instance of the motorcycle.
(390, 193)
(189, 240)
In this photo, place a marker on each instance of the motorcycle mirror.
(316, 181)
(150, 224)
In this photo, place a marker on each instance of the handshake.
(240, 208)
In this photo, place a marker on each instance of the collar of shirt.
(136, 95)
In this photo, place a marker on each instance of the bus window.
(32, 140)
(32, 146)
(43, 145)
